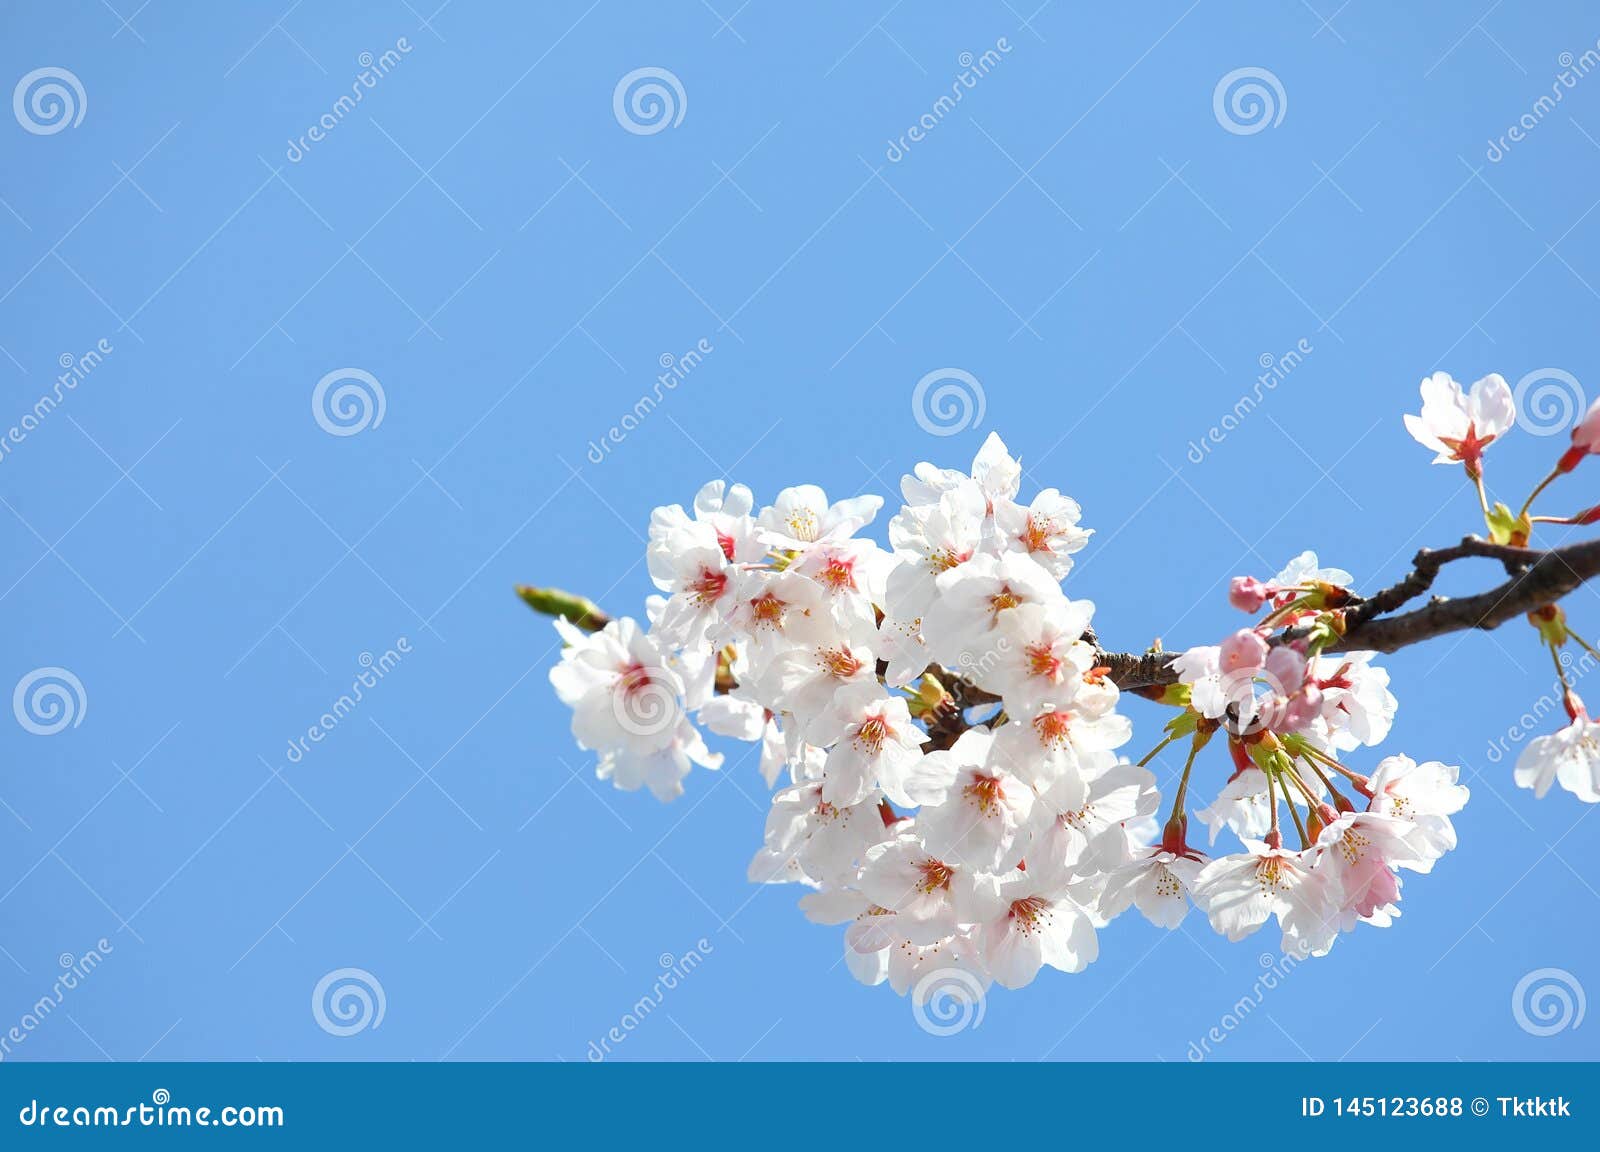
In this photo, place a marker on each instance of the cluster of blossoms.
(1459, 425)
(947, 743)
(1288, 713)
(943, 739)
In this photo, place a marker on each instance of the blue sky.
(482, 237)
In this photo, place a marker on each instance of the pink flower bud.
(1303, 708)
(1248, 594)
(1587, 434)
(1287, 669)
(1244, 651)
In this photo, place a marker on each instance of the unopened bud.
(929, 697)
(585, 614)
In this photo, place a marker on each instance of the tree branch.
(1536, 578)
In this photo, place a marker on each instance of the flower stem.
(1582, 643)
(1156, 750)
(1534, 495)
(1555, 658)
(1299, 825)
(1180, 799)
(1312, 754)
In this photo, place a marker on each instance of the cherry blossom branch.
(1536, 578)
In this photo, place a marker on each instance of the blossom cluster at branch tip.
(1459, 426)
(1288, 712)
(945, 748)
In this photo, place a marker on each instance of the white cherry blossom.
(1038, 923)
(1457, 425)
(1046, 530)
(875, 745)
(1570, 757)
(802, 516)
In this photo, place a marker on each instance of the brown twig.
(1536, 578)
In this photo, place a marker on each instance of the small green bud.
(585, 614)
